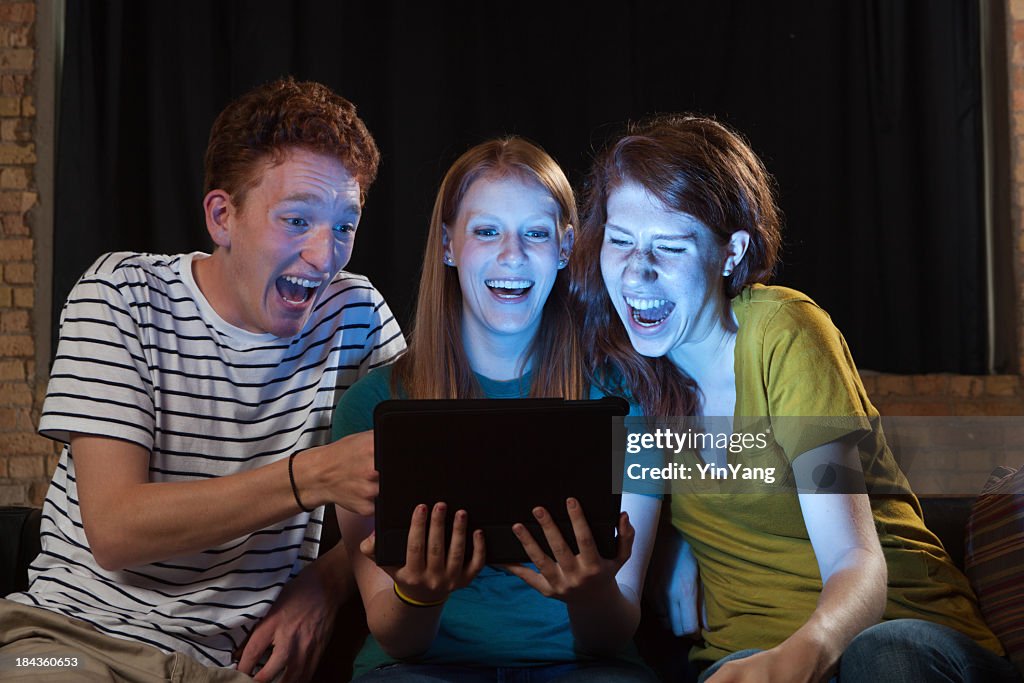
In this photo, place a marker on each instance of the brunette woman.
(681, 231)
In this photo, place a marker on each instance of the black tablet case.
(497, 459)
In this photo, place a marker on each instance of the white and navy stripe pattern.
(143, 357)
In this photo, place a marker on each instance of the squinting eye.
(346, 228)
(617, 242)
(539, 234)
(485, 232)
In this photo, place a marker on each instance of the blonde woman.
(493, 320)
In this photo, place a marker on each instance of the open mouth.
(509, 289)
(649, 312)
(296, 290)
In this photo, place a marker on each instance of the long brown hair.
(436, 366)
(693, 165)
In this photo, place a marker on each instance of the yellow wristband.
(416, 603)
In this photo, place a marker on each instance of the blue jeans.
(911, 651)
(916, 650)
(575, 672)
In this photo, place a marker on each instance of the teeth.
(645, 323)
(645, 304)
(509, 284)
(308, 284)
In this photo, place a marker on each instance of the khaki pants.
(53, 647)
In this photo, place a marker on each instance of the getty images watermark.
(947, 456)
(667, 441)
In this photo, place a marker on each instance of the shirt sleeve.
(815, 395)
(100, 383)
(384, 340)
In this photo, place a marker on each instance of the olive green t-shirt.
(759, 573)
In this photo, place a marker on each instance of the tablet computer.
(497, 459)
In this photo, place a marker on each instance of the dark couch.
(19, 544)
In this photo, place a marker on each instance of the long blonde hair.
(436, 366)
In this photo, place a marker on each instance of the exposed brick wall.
(945, 394)
(1015, 21)
(26, 460)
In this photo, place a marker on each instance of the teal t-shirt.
(497, 620)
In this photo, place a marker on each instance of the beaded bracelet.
(291, 478)
(416, 603)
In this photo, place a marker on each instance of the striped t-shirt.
(143, 357)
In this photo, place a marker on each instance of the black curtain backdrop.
(867, 112)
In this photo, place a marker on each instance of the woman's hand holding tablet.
(571, 577)
(430, 574)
